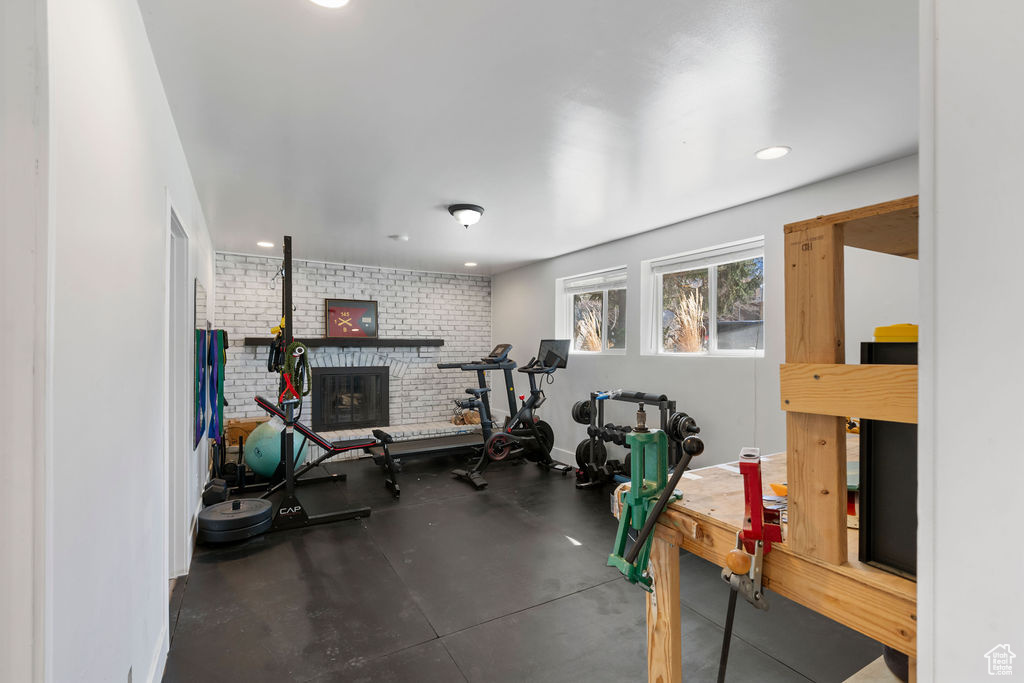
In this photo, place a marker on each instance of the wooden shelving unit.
(816, 565)
(817, 388)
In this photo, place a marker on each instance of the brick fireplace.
(350, 398)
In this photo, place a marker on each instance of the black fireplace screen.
(349, 398)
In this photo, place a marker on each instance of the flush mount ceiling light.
(265, 245)
(466, 214)
(470, 264)
(332, 4)
(399, 238)
(769, 153)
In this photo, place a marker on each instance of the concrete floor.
(450, 584)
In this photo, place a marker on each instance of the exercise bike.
(524, 434)
(389, 454)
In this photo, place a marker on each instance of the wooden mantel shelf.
(355, 342)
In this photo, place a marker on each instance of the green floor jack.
(649, 492)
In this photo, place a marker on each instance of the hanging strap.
(218, 361)
(199, 374)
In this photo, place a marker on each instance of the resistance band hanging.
(296, 375)
(218, 360)
(199, 376)
(275, 357)
(296, 364)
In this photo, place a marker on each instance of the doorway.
(179, 397)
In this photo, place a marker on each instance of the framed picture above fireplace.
(348, 318)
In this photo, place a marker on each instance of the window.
(708, 302)
(593, 311)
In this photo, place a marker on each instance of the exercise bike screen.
(558, 347)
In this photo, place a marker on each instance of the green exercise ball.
(263, 448)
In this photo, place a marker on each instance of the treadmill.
(389, 453)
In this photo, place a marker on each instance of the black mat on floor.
(478, 557)
(450, 584)
(294, 605)
(426, 662)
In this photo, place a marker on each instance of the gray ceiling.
(573, 122)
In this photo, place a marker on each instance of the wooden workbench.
(816, 566)
(874, 602)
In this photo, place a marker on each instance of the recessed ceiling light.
(399, 238)
(265, 245)
(772, 152)
(333, 4)
(469, 264)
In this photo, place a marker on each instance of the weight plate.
(235, 514)
(581, 412)
(583, 453)
(207, 536)
(583, 456)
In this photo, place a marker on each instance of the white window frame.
(652, 272)
(603, 281)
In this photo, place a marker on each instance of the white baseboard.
(159, 661)
(567, 456)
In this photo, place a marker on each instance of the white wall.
(23, 254)
(115, 157)
(971, 469)
(735, 400)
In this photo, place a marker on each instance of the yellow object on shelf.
(904, 332)
(779, 489)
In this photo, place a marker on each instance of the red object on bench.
(760, 523)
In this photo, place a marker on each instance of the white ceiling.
(573, 122)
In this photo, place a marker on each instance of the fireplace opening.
(349, 398)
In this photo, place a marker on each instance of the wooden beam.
(814, 296)
(816, 479)
(816, 444)
(890, 233)
(876, 392)
(889, 227)
(664, 622)
(861, 216)
(880, 605)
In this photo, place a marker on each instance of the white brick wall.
(411, 304)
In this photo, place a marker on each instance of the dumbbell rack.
(595, 470)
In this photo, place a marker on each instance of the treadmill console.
(498, 353)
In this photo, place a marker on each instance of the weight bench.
(329, 448)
